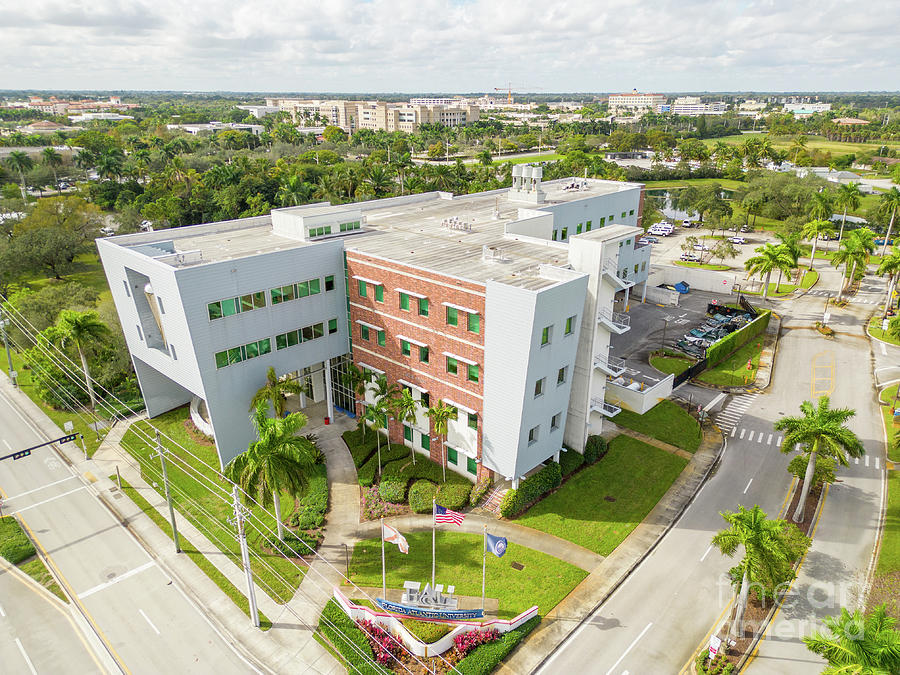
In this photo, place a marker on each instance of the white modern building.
(634, 101)
(692, 106)
(499, 304)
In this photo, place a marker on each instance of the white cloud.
(438, 45)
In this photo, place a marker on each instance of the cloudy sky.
(450, 46)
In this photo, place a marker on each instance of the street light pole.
(9, 366)
(162, 459)
(240, 514)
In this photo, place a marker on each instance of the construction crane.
(509, 90)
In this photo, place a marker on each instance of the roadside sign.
(884, 324)
(68, 427)
(715, 643)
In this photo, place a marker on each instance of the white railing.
(619, 319)
(607, 409)
(610, 364)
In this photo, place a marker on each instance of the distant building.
(634, 102)
(802, 110)
(105, 116)
(214, 127)
(437, 101)
(692, 106)
(849, 121)
(45, 127)
(259, 111)
(55, 106)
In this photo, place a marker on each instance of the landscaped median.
(17, 549)
(876, 331)
(886, 583)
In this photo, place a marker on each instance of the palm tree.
(820, 429)
(890, 201)
(798, 145)
(293, 190)
(440, 414)
(790, 244)
(109, 163)
(767, 553)
(53, 159)
(357, 381)
(813, 230)
(484, 156)
(848, 197)
(378, 180)
(275, 391)
(385, 394)
(279, 461)
(377, 415)
(406, 408)
(858, 644)
(770, 258)
(20, 162)
(890, 265)
(848, 253)
(81, 329)
(821, 207)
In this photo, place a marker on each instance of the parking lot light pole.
(663, 344)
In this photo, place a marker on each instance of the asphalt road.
(145, 622)
(658, 618)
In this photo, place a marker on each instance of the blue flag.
(496, 545)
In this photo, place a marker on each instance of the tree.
(769, 552)
(293, 190)
(724, 249)
(821, 207)
(377, 415)
(378, 180)
(20, 162)
(484, 156)
(440, 414)
(50, 250)
(385, 394)
(890, 201)
(858, 644)
(848, 197)
(81, 329)
(770, 258)
(813, 230)
(820, 429)
(54, 160)
(275, 391)
(890, 266)
(110, 162)
(68, 212)
(357, 381)
(798, 145)
(333, 134)
(406, 408)
(278, 462)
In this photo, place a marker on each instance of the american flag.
(444, 515)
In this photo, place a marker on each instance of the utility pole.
(9, 365)
(240, 514)
(161, 452)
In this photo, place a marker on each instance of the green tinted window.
(281, 341)
(474, 323)
(404, 348)
(379, 293)
(332, 326)
(276, 295)
(229, 307)
(289, 292)
(578, 229)
(570, 325)
(252, 350)
(407, 433)
(472, 373)
(564, 234)
(473, 421)
(329, 283)
(307, 333)
(423, 354)
(587, 226)
(247, 303)
(314, 286)
(303, 289)
(452, 316)
(404, 302)
(265, 346)
(318, 330)
(235, 355)
(364, 332)
(293, 338)
(362, 288)
(221, 359)
(423, 306)
(452, 365)
(381, 338)
(259, 300)
(471, 465)
(451, 456)
(425, 442)
(214, 309)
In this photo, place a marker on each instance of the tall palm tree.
(819, 430)
(81, 329)
(355, 380)
(770, 258)
(279, 461)
(858, 644)
(440, 414)
(275, 391)
(890, 201)
(20, 162)
(813, 230)
(848, 253)
(767, 553)
(798, 145)
(821, 207)
(378, 180)
(790, 244)
(848, 197)
(293, 190)
(377, 415)
(109, 163)
(53, 159)
(406, 408)
(890, 266)
(385, 394)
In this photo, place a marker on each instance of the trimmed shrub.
(823, 473)
(374, 507)
(530, 490)
(366, 473)
(296, 543)
(482, 660)
(15, 545)
(423, 468)
(594, 449)
(570, 460)
(392, 489)
(361, 450)
(453, 495)
(352, 644)
(420, 495)
(480, 490)
(314, 503)
(472, 639)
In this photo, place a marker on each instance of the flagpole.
(383, 575)
(433, 509)
(483, 566)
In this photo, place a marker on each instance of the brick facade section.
(432, 331)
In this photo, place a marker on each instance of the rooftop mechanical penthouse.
(499, 303)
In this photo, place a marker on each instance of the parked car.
(880, 242)
(690, 257)
(648, 240)
(737, 240)
(701, 247)
(107, 231)
(687, 222)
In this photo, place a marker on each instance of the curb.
(41, 590)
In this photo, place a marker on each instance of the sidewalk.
(603, 580)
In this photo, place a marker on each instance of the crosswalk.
(734, 411)
(755, 436)
(824, 294)
(854, 300)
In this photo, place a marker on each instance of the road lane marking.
(25, 656)
(6, 443)
(2, 613)
(733, 431)
(856, 459)
(883, 349)
(748, 486)
(147, 618)
(760, 439)
(51, 499)
(769, 442)
(778, 442)
(867, 460)
(37, 489)
(750, 436)
(706, 554)
(742, 433)
(630, 647)
(877, 463)
(121, 577)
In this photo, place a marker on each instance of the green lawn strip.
(88, 271)
(703, 266)
(812, 143)
(426, 631)
(733, 372)
(889, 556)
(726, 183)
(191, 551)
(887, 395)
(214, 510)
(17, 548)
(347, 639)
(636, 475)
(671, 365)
(544, 581)
(667, 422)
(59, 417)
(549, 157)
(876, 332)
(809, 278)
(874, 259)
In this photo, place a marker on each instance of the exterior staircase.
(495, 496)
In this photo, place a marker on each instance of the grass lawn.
(544, 581)
(670, 363)
(889, 556)
(810, 277)
(733, 371)
(667, 422)
(634, 474)
(191, 552)
(207, 506)
(876, 332)
(17, 548)
(813, 143)
(703, 266)
(547, 157)
(726, 183)
(88, 272)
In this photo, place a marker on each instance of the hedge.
(297, 543)
(423, 468)
(569, 461)
(397, 453)
(15, 545)
(314, 503)
(721, 349)
(342, 632)
(453, 495)
(594, 449)
(360, 450)
(530, 490)
(480, 490)
(484, 659)
(420, 495)
(392, 489)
